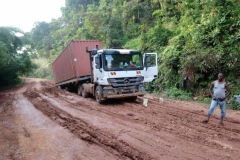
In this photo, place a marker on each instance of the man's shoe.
(221, 123)
(205, 121)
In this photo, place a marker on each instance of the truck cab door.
(98, 68)
(150, 67)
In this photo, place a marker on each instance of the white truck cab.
(121, 72)
(103, 73)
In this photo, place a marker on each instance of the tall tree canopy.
(193, 38)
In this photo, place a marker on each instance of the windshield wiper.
(134, 68)
(118, 69)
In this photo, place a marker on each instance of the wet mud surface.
(44, 122)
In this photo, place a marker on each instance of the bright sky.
(23, 13)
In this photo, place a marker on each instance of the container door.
(150, 67)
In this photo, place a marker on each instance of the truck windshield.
(122, 62)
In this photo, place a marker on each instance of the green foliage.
(149, 87)
(235, 91)
(203, 99)
(14, 60)
(133, 43)
(175, 93)
(157, 37)
(43, 69)
(234, 105)
(192, 38)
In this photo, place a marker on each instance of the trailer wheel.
(98, 94)
(67, 88)
(80, 88)
(84, 92)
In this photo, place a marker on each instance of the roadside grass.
(178, 94)
(17, 83)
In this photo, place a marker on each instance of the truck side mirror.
(94, 51)
(97, 62)
(147, 61)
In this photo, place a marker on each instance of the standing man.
(217, 91)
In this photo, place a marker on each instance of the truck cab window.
(152, 60)
(115, 62)
(100, 57)
(108, 61)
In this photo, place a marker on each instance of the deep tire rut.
(128, 130)
(85, 132)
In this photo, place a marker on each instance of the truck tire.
(67, 88)
(84, 92)
(80, 89)
(98, 94)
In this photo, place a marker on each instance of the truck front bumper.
(121, 92)
(126, 95)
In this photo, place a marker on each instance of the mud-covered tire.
(84, 92)
(98, 95)
(67, 88)
(80, 89)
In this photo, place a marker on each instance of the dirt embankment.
(53, 123)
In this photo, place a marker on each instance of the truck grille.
(126, 81)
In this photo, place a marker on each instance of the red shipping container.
(74, 61)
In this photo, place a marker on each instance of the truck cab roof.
(118, 51)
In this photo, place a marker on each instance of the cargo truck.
(104, 73)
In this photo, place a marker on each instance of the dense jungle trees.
(14, 59)
(193, 38)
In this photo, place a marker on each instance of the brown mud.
(40, 121)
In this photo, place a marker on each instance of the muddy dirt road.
(39, 121)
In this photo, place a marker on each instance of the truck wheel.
(67, 88)
(84, 92)
(80, 89)
(98, 95)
